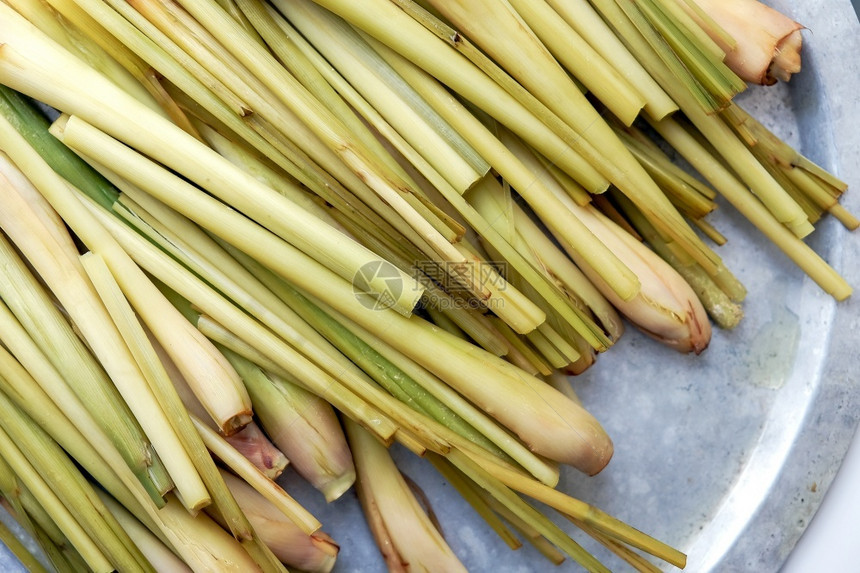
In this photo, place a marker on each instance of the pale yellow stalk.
(189, 487)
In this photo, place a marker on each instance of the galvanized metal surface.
(726, 455)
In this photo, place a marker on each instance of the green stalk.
(74, 40)
(580, 16)
(431, 395)
(63, 519)
(717, 132)
(324, 125)
(35, 309)
(524, 511)
(390, 25)
(73, 491)
(62, 77)
(178, 278)
(158, 554)
(726, 312)
(517, 174)
(190, 351)
(313, 553)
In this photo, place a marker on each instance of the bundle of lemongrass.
(311, 230)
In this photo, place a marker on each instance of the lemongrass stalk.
(32, 517)
(175, 333)
(312, 552)
(362, 349)
(58, 472)
(524, 511)
(363, 343)
(284, 42)
(415, 540)
(149, 303)
(637, 561)
(581, 60)
(189, 487)
(212, 57)
(82, 439)
(740, 197)
(705, 65)
(495, 204)
(691, 197)
(62, 517)
(140, 70)
(20, 551)
(466, 315)
(470, 215)
(55, 25)
(323, 124)
(561, 105)
(116, 418)
(62, 273)
(179, 279)
(160, 556)
(303, 425)
(468, 492)
(266, 487)
(208, 544)
(410, 372)
(580, 16)
(593, 517)
(162, 140)
(717, 133)
(571, 277)
(666, 307)
(280, 182)
(403, 109)
(419, 45)
(585, 442)
(766, 45)
(704, 41)
(516, 173)
(250, 440)
(288, 157)
(721, 308)
(524, 356)
(167, 525)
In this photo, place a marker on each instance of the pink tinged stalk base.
(767, 42)
(404, 533)
(314, 553)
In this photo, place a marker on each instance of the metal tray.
(726, 455)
